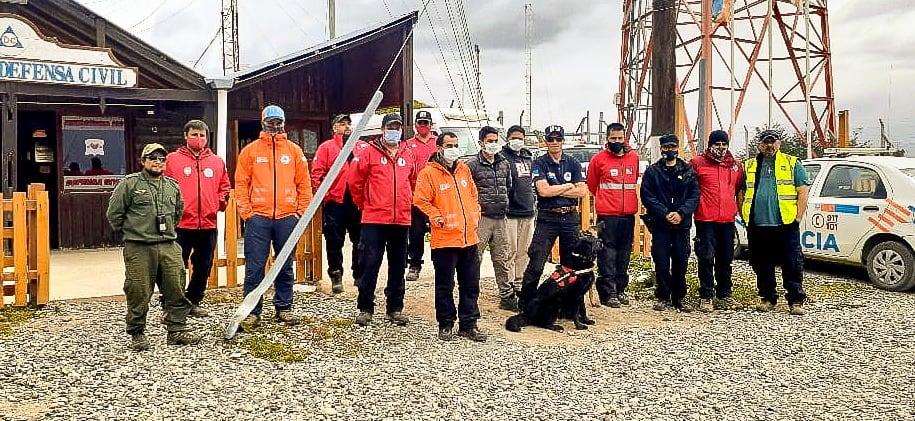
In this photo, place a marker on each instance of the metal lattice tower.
(230, 60)
(739, 63)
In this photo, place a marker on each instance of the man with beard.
(772, 206)
(144, 208)
(720, 179)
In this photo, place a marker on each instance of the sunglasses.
(156, 158)
(553, 139)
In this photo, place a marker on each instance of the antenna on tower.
(230, 37)
(528, 24)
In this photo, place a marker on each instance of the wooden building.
(78, 92)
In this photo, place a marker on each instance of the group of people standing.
(391, 192)
(769, 191)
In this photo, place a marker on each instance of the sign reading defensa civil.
(27, 56)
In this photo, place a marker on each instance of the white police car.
(861, 210)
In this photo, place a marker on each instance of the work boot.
(509, 303)
(797, 309)
(198, 311)
(398, 318)
(683, 306)
(286, 316)
(250, 323)
(612, 301)
(660, 305)
(727, 303)
(336, 282)
(765, 306)
(182, 337)
(474, 334)
(357, 280)
(624, 299)
(138, 342)
(363, 318)
(446, 333)
(705, 305)
(413, 274)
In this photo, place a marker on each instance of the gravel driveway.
(849, 358)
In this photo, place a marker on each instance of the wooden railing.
(25, 247)
(307, 259)
(641, 239)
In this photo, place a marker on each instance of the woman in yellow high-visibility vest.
(773, 203)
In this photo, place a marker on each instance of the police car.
(861, 210)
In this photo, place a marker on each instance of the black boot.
(336, 281)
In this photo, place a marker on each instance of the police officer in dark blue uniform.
(559, 185)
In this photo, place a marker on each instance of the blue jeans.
(259, 233)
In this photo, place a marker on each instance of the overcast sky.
(576, 50)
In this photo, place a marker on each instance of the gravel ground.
(849, 358)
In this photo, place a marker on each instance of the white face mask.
(515, 144)
(491, 148)
(392, 137)
(451, 154)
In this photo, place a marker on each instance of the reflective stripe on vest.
(784, 187)
(617, 186)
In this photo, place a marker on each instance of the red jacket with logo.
(422, 151)
(718, 186)
(204, 185)
(324, 158)
(612, 180)
(382, 185)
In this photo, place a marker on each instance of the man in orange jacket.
(273, 190)
(446, 193)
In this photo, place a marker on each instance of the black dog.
(563, 293)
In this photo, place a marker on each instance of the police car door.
(848, 204)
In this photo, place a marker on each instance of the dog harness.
(564, 276)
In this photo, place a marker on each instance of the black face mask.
(670, 155)
(615, 147)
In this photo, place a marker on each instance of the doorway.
(38, 160)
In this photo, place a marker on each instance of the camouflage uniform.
(149, 255)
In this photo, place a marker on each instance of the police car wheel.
(891, 266)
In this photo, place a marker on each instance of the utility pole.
(663, 67)
(480, 105)
(332, 19)
(230, 60)
(705, 75)
(528, 40)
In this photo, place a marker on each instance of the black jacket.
(493, 181)
(670, 190)
(522, 197)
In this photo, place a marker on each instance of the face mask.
(423, 130)
(515, 144)
(392, 137)
(670, 155)
(615, 147)
(196, 143)
(451, 154)
(719, 153)
(272, 129)
(491, 148)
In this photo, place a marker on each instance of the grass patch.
(223, 297)
(278, 342)
(272, 350)
(11, 317)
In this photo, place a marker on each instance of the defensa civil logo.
(10, 39)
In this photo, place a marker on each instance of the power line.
(444, 61)
(179, 10)
(149, 15)
(294, 22)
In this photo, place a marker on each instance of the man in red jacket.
(720, 178)
(381, 182)
(340, 213)
(612, 177)
(204, 185)
(423, 147)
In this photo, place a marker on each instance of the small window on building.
(848, 181)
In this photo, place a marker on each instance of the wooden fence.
(307, 259)
(25, 247)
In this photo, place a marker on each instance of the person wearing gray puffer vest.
(492, 175)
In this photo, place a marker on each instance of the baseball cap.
(423, 116)
(153, 147)
(340, 117)
(768, 135)
(670, 139)
(391, 118)
(554, 129)
(273, 111)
